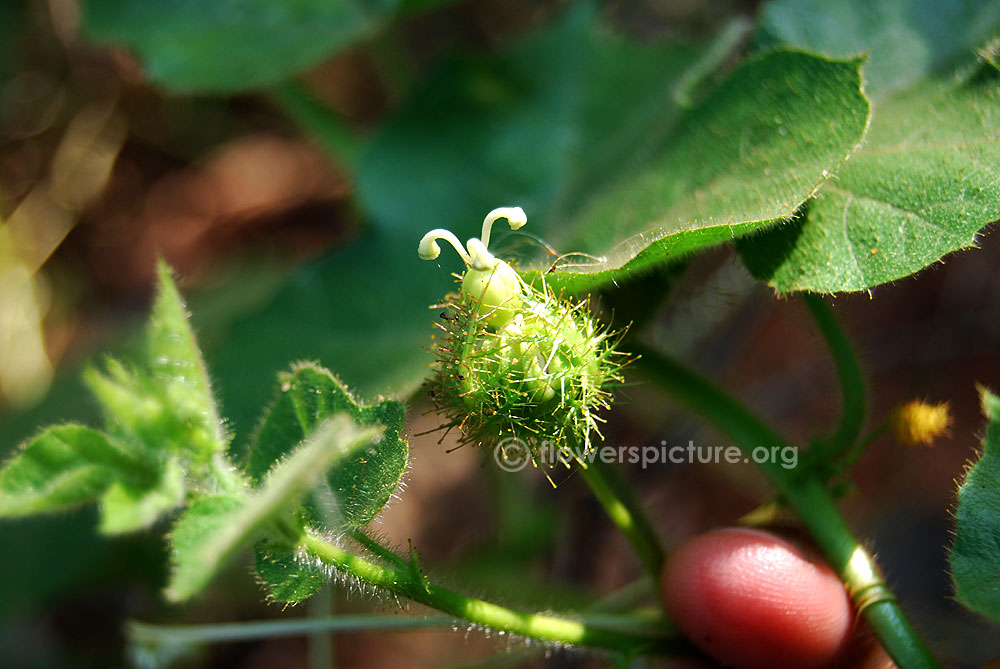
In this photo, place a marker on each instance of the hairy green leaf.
(925, 182)
(923, 186)
(205, 536)
(126, 507)
(360, 485)
(64, 466)
(289, 576)
(165, 404)
(189, 45)
(178, 372)
(215, 527)
(749, 154)
(156, 413)
(975, 554)
(69, 465)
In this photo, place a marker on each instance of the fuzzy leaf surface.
(925, 183)
(288, 576)
(64, 466)
(126, 507)
(748, 155)
(975, 554)
(360, 485)
(178, 372)
(164, 403)
(215, 527)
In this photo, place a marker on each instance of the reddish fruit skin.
(750, 599)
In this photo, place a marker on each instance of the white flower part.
(478, 255)
(514, 215)
(489, 280)
(428, 248)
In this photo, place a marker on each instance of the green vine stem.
(852, 383)
(618, 633)
(604, 612)
(624, 510)
(807, 495)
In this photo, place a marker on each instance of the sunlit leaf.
(64, 466)
(925, 183)
(748, 155)
(127, 507)
(923, 186)
(178, 373)
(215, 527)
(361, 484)
(164, 403)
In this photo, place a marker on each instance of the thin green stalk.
(543, 627)
(852, 456)
(144, 634)
(649, 624)
(807, 495)
(320, 650)
(852, 383)
(624, 510)
(337, 138)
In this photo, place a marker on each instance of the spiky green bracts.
(519, 362)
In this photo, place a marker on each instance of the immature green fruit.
(498, 291)
(519, 361)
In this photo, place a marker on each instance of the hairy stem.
(807, 495)
(852, 383)
(624, 510)
(620, 636)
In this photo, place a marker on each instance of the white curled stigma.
(478, 255)
(488, 279)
